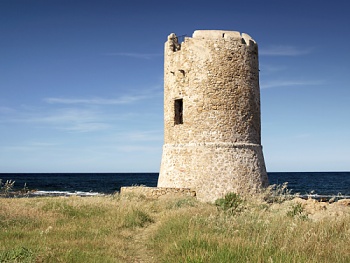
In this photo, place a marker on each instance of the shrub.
(277, 193)
(7, 187)
(297, 210)
(231, 203)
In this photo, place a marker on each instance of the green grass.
(131, 229)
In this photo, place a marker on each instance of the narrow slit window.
(178, 112)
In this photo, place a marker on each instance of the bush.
(277, 193)
(7, 187)
(297, 210)
(231, 203)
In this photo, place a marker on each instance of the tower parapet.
(212, 127)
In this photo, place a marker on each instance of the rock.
(345, 202)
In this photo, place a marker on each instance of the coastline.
(317, 184)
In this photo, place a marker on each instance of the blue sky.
(81, 82)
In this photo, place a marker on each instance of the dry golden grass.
(134, 229)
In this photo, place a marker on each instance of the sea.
(312, 184)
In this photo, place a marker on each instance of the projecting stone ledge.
(157, 192)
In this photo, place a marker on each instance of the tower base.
(213, 169)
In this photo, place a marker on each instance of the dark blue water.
(106, 183)
(321, 183)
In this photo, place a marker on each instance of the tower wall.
(212, 130)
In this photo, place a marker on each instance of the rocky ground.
(317, 210)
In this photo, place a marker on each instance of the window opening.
(178, 118)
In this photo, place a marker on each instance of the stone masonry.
(156, 192)
(212, 127)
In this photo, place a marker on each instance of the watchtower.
(212, 128)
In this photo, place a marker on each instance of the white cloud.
(71, 119)
(137, 148)
(6, 110)
(31, 146)
(97, 101)
(303, 136)
(283, 51)
(151, 92)
(79, 114)
(289, 83)
(156, 135)
(270, 69)
(136, 55)
(85, 127)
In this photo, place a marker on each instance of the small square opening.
(178, 118)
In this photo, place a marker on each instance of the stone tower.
(212, 128)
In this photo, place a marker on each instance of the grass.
(134, 229)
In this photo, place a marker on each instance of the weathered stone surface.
(215, 146)
(345, 202)
(157, 192)
(316, 210)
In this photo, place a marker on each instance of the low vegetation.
(136, 229)
(7, 189)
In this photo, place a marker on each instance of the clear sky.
(81, 81)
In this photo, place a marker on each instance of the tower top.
(218, 34)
